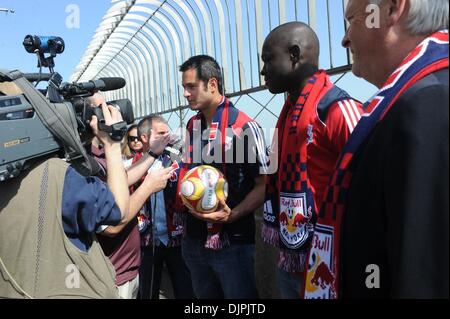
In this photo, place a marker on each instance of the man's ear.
(295, 53)
(145, 138)
(213, 85)
(396, 9)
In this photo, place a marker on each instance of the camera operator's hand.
(158, 143)
(112, 116)
(96, 100)
(116, 175)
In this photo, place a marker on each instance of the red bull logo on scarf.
(320, 278)
(429, 56)
(294, 219)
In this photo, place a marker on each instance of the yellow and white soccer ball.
(202, 188)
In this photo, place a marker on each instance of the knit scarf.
(174, 217)
(216, 239)
(136, 157)
(143, 217)
(289, 209)
(322, 277)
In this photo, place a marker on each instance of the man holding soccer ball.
(219, 246)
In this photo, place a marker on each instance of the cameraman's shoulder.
(58, 163)
(86, 187)
(73, 174)
(52, 166)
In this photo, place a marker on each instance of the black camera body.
(116, 131)
(36, 123)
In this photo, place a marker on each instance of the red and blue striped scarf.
(216, 239)
(290, 209)
(322, 279)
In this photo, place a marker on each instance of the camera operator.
(121, 243)
(48, 219)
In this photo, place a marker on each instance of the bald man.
(313, 127)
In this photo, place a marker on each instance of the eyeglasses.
(133, 139)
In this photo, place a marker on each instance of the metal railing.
(145, 41)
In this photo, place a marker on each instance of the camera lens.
(126, 109)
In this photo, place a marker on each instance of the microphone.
(174, 147)
(102, 84)
(169, 149)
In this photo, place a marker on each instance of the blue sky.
(48, 17)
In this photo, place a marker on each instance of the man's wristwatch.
(155, 156)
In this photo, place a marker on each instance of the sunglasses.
(133, 139)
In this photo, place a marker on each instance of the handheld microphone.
(173, 149)
(170, 150)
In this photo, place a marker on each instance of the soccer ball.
(202, 188)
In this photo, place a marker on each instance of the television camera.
(40, 122)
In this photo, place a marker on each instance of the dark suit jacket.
(398, 205)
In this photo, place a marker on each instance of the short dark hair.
(145, 125)
(207, 68)
(132, 126)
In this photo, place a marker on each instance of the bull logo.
(292, 221)
(322, 276)
(295, 221)
(173, 176)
